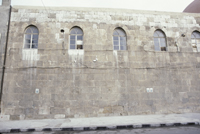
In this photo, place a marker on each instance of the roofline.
(121, 10)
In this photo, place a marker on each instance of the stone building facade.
(71, 62)
(4, 22)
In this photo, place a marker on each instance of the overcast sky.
(155, 5)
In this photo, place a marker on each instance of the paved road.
(166, 130)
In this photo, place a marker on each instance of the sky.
(153, 5)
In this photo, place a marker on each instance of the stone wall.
(4, 15)
(100, 81)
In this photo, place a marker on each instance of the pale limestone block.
(152, 23)
(24, 19)
(4, 117)
(33, 15)
(22, 117)
(57, 36)
(198, 59)
(59, 116)
(22, 11)
(94, 26)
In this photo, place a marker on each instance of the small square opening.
(79, 46)
(163, 48)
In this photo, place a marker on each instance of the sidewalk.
(100, 123)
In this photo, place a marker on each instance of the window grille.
(31, 38)
(160, 41)
(119, 39)
(76, 38)
(195, 38)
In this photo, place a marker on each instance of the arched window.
(76, 38)
(195, 37)
(119, 39)
(31, 37)
(160, 41)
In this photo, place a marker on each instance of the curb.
(135, 126)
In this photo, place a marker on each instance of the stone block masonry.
(4, 23)
(54, 81)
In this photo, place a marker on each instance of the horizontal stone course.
(100, 81)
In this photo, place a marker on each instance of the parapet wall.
(56, 82)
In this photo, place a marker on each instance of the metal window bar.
(119, 39)
(31, 38)
(76, 38)
(160, 41)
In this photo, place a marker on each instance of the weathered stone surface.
(100, 81)
(5, 14)
(4, 117)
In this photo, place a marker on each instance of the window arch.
(76, 38)
(119, 39)
(160, 41)
(195, 38)
(31, 37)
